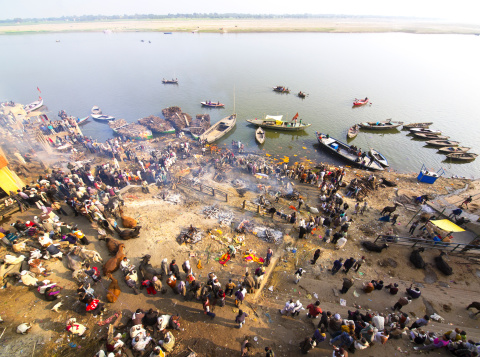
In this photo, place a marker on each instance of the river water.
(408, 77)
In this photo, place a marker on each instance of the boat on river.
(360, 102)
(210, 104)
(353, 131)
(462, 156)
(346, 152)
(170, 81)
(382, 160)
(276, 122)
(81, 121)
(301, 95)
(96, 110)
(443, 143)
(219, 129)
(281, 89)
(260, 135)
(102, 117)
(381, 125)
(417, 125)
(425, 131)
(428, 136)
(453, 149)
(34, 105)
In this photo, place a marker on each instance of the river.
(408, 77)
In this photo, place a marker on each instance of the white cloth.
(379, 322)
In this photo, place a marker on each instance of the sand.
(334, 25)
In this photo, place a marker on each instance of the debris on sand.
(225, 218)
(268, 234)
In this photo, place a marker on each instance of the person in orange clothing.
(314, 310)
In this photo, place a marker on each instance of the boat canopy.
(274, 117)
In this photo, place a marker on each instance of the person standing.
(269, 352)
(297, 307)
(337, 264)
(268, 257)
(413, 227)
(298, 275)
(364, 207)
(401, 303)
(240, 319)
(314, 310)
(230, 287)
(300, 203)
(206, 308)
(316, 255)
(347, 284)
(394, 218)
(467, 201)
(348, 264)
(358, 264)
(258, 276)
(289, 306)
(249, 283)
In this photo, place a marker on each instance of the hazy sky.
(459, 10)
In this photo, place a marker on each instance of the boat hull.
(453, 149)
(462, 156)
(382, 160)
(359, 103)
(417, 125)
(212, 105)
(82, 120)
(341, 149)
(442, 143)
(33, 106)
(219, 129)
(383, 125)
(261, 124)
(353, 131)
(102, 118)
(260, 135)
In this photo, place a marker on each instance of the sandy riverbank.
(333, 25)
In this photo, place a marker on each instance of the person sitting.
(393, 288)
(377, 284)
(368, 287)
(414, 293)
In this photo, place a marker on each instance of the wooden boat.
(33, 106)
(301, 95)
(275, 122)
(353, 131)
(170, 81)
(212, 104)
(360, 102)
(462, 156)
(260, 135)
(382, 160)
(425, 131)
(417, 125)
(81, 121)
(345, 151)
(133, 131)
(381, 125)
(96, 110)
(443, 143)
(281, 89)
(102, 117)
(428, 136)
(219, 129)
(453, 149)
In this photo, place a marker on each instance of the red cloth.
(93, 305)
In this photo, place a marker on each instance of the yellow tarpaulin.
(9, 181)
(447, 225)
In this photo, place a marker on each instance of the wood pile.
(155, 124)
(115, 124)
(200, 124)
(175, 116)
(133, 130)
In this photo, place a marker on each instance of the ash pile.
(240, 186)
(191, 235)
(169, 197)
(225, 218)
(268, 234)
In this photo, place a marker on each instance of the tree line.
(90, 18)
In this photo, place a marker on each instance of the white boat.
(379, 157)
(96, 110)
(219, 129)
(425, 131)
(260, 135)
(102, 117)
(276, 122)
(34, 105)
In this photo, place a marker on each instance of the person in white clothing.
(289, 306)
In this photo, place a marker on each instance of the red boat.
(359, 102)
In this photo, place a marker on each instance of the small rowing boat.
(170, 81)
(428, 136)
(462, 156)
(210, 104)
(425, 131)
(360, 102)
(301, 95)
(417, 125)
(443, 143)
(81, 121)
(276, 122)
(281, 89)
(346, 152)
(102, 117)
(96, 110)
(382, 160)
(219, 129)
(353, 131)
(453, 149)
(34, 105)
(381, 125)
(260, 135)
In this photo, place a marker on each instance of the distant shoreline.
(231, 25)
